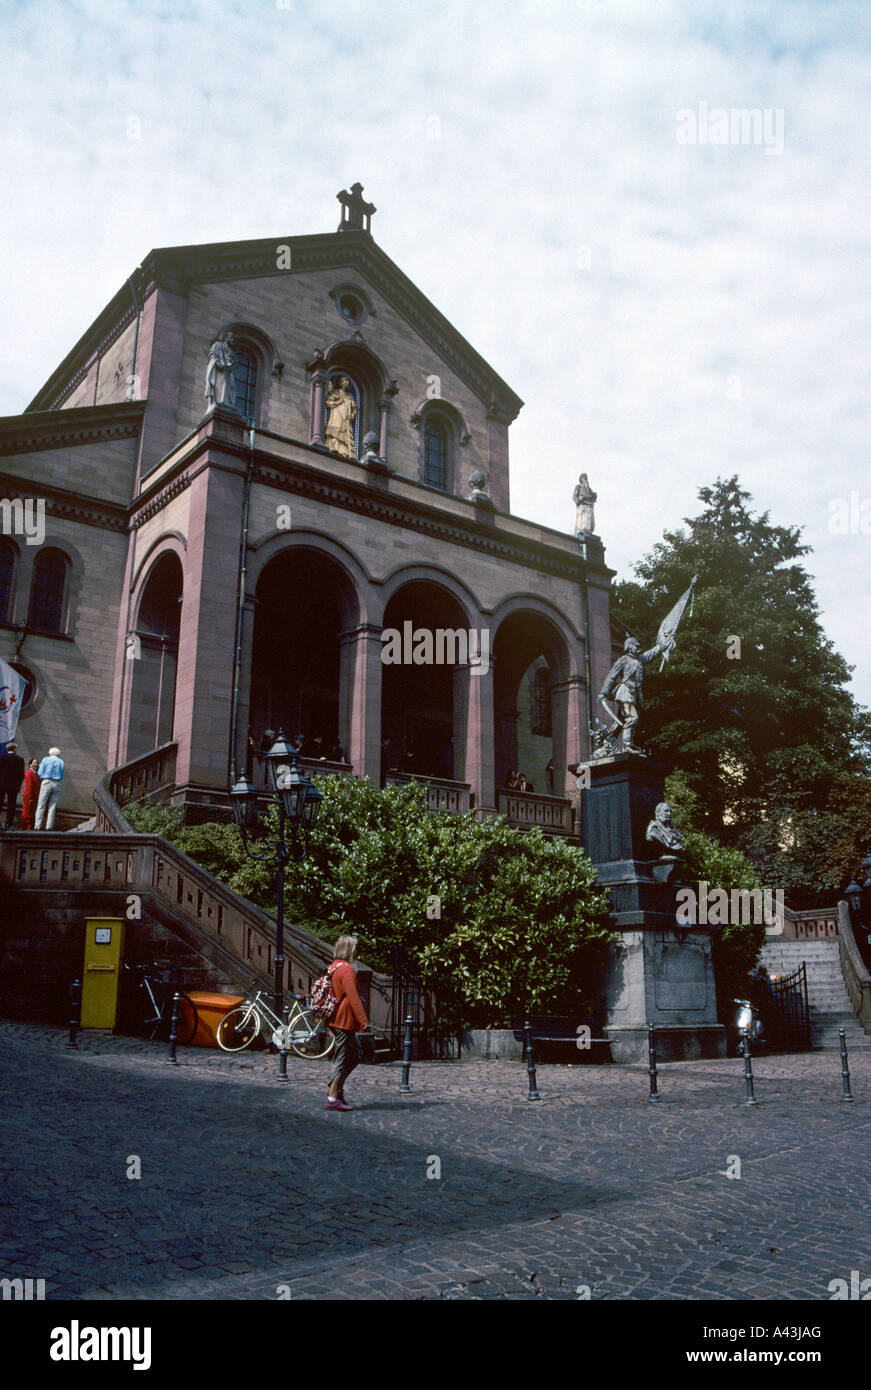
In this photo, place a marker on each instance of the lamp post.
(298, 805)
(858, 895)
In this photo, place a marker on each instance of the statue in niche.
(584, 498)
(220, 369)
(341, 414)
(663, 829)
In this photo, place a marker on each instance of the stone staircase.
(828, 1000)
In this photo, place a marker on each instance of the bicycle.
(307, 1033)
(161, 1017)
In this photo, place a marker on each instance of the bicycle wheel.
(238, 1029)
(188, 1019)
(309, 1036)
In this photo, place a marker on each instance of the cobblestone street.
(248, 1185)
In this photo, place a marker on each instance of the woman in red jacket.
(30, 795)
(349, 1020)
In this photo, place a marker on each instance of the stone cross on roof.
(355, 209)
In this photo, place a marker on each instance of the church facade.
(275, 488)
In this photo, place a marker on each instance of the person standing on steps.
(11, 777)
(51, 773)
(30, 795)
(349, 1020)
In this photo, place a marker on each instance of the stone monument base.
(675, 1042)
(661, 971)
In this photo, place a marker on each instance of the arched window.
(48, 591)
(540, 721)
(435, 454)
(7, 571)
(342, 416)
(245, 376)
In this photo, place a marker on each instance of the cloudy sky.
(669, 310)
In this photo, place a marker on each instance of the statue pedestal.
(660, 973)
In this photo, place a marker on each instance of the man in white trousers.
(51, 774)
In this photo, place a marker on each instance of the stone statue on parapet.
(478, 483)
(220, 373)
(663, 829)
(584, 499)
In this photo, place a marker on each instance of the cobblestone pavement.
(250, 1190)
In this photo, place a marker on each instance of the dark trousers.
(8, 796)
(346, 1056)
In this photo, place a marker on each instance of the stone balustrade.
(552, 814)
(441, 794)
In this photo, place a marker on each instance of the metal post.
(749, 1095)
(173, 1028)
(278, 1003)
(75, 1012)
(282, 1051)
(651, 1056)
(406, 1055)
(845, 1070)
(530, 1062)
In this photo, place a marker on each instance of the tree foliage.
(497, 922)
(753, 706)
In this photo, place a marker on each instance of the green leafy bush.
(498, 923)
(735, 946)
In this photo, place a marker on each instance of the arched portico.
(151, 651)
(539, 705)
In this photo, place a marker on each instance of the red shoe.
(338, 1105)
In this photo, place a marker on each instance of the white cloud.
(722, 325)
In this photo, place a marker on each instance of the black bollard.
(173, 1028)
(75, 1013)
(651, 1055)
(530, 1062)
(282, 1051)
(845, 1070)
(749, 1094)
(406, 1054)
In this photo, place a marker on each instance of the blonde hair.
(345, 948)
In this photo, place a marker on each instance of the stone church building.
(261, 457)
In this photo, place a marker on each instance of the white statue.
(220, 368)
(584, 497)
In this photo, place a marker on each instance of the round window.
(351, 308)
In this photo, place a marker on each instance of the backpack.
(323, 1000)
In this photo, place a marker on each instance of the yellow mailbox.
(104, 940)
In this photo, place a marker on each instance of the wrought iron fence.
(431, 1040)
(787, 1024)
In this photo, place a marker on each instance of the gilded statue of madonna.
(341, 414)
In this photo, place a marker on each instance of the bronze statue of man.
(623, 685)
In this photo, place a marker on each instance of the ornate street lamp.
(298, 805)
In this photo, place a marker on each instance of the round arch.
(261, 554)
(152, 650)
(305, 600)
(533, 648)
(443, 579)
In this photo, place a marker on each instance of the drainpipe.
(135, 332)
(588, 672)
(240, 608)
(123, 683)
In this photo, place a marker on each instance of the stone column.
(476, 735)
(243, 711)
(319, 373)
(208, 618)
(568, 713)
(360, 699)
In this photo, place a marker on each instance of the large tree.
(773, 751)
